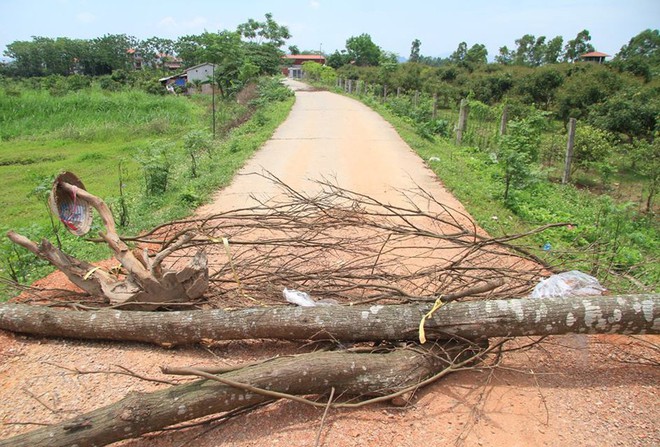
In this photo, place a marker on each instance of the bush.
(156, 165)
(592, 149)
(271, 89)
(519, 151)
(195, 143)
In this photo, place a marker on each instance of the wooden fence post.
(462, 121)
(504, 120)
(416, 98)
(384, 92)
(349, 87)
(398, 92)
(435, 106)
(569, 151)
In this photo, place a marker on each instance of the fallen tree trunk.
(624, 314)
(351, 374)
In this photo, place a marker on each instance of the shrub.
(195, 143)
(271, 89)
(156, 166)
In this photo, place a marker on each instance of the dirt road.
(575, 391)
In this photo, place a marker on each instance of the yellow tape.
(90, 273)
(437, 305)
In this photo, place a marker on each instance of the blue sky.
(393, 24)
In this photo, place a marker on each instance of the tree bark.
(624, 314)
(351, 374)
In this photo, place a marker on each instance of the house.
(294, 63)
(169, 82)
(164, 60)
(594, 56)
(168, 61)
(197, 74)
(201, 72)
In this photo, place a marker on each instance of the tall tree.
(553, 50)
(460, 53)
(537, 52)
(641, 56)
(338, 59)
(45, 56)
(363, 50)
(524, 50)
(505, 56)
(225, 50)
(477, 54)
(580, 45)
(155, 50)
(414, 50)
(268, 31)
(645, 44)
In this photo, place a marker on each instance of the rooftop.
(313, 57)
(594, 54)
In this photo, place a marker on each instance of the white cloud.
(85, 17)
(314, 4)
(168, 22)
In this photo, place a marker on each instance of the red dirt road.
(574, 390)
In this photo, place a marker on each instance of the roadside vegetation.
(512, 182)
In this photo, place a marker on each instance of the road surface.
(332, 137)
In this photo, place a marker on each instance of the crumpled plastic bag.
(573, 283)
(304, 300)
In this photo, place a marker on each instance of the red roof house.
(294, 63)
(594, 56)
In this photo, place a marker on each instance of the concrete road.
(329, 136)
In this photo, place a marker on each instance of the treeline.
(622, 96)
(252, 49)
(639, 57)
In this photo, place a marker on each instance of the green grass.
(92, 114)
(97, 137)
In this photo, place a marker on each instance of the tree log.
(625, 314)
(351, 374)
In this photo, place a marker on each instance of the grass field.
(94, 134)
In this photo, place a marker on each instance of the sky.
(326, 24)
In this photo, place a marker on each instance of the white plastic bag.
(304, 300)
(298, 298)
(573, 283)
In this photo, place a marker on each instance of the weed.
(156, 164)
